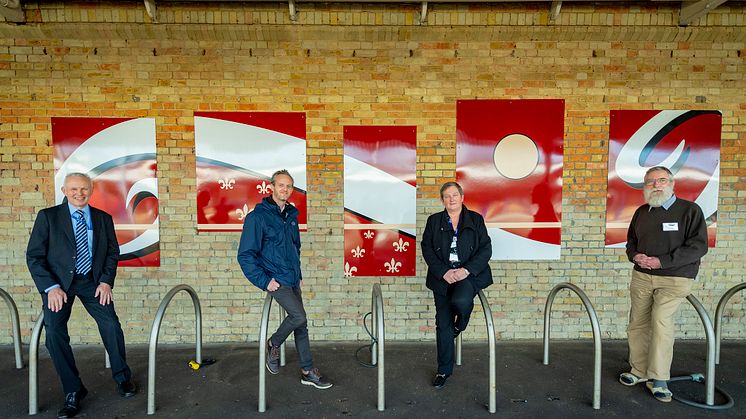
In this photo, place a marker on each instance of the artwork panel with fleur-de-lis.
(380, 200)
(237, 152)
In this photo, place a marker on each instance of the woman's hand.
(451, 276)
(455, 275)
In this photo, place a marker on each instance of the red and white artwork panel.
(119, 156)
(686, 142)
(380, 200)
(237, 153)
(509, 156)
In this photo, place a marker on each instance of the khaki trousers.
(650, 333)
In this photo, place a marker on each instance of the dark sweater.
(677, 236)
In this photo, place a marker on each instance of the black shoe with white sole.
(314, 378)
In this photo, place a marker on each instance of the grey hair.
(78, 174)
(281, 172)
(657, 168)
(448, 185)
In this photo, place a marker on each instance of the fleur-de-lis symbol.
(392, 266)
(349, 270)
(357, 252)
(226, 183)
(243, 212)
(264, 188)
(368, 234)
(400, 246)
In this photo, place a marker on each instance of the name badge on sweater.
(670, 226)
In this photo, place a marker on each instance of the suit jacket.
(50, 255)
(474, 249)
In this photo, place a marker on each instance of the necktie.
(82, 255)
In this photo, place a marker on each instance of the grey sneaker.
(314, 378)
(273, 358)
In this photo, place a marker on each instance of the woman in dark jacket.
(457, 268)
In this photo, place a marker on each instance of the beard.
(656, 198)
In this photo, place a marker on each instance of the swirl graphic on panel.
(687, 142)
(119, 156)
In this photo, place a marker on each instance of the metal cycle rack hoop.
(596, 334)
(710, 361)
(156, 329)
(33, 363)
(262, 394)
(16, 325)
(377, 348)
(719, 317)
(710, 335)
(491, 342)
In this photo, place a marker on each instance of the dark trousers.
(291, 300)
(452, 309)
(58, 340)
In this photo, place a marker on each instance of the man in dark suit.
(73, 252)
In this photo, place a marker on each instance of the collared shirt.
(89, 228)
(666, 205)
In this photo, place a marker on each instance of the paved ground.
(525, 387)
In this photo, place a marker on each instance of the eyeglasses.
(660, 181)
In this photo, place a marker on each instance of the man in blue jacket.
(269, 255)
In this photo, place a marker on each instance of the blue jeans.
(290, 299)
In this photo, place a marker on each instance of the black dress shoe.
(72, 403)
(127, 388)
(440, 380)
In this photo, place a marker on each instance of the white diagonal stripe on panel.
(378, 195)
(257, 149)
(509, 246)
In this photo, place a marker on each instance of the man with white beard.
(666, 239)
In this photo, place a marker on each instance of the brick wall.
(348, 64)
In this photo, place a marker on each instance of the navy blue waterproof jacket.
(270, 245)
